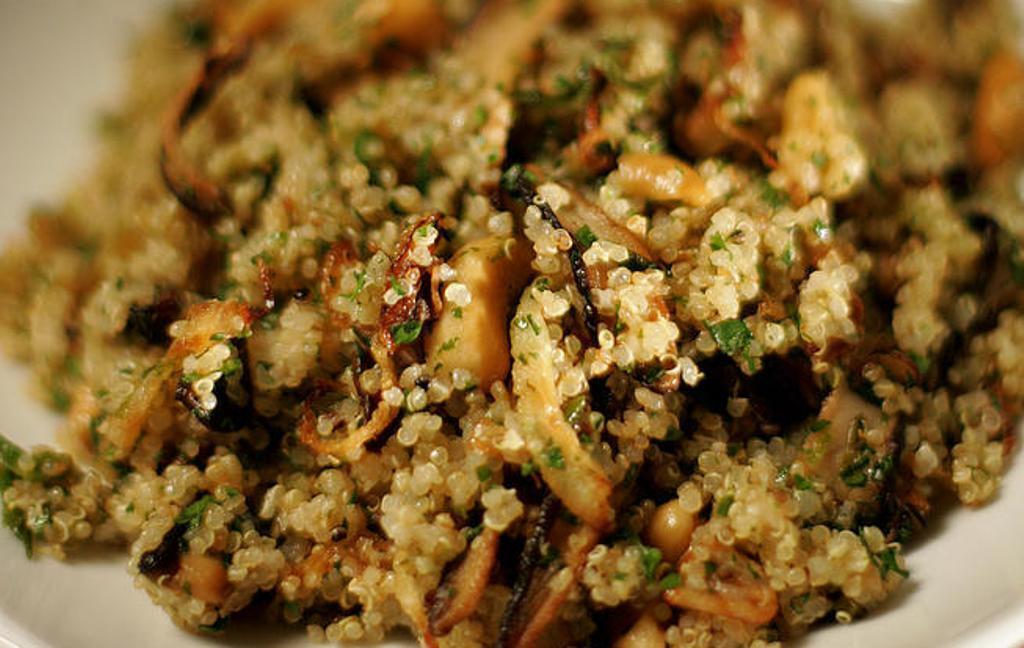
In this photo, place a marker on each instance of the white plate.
(59, 60)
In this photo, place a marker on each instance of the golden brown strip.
(460, 593)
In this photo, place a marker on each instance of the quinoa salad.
(632, 323)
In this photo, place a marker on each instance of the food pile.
(524, 323)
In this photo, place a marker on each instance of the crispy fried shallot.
(410, 309)
(201, 323)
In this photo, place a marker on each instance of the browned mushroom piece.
(190, 186)
(460, 593)
(550, 586)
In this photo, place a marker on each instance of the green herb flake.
(854, 474)
(231, 366)
(821, 230)
(457, 312)
(483, 473)
(787, 256)
(527, 469)
(60, 399)
(480, 115)
(450, 344)
(732, 336)
(406, 332)
(775, 197)
(718, 242)
(670, 581)
(802, 483)
(553, 457)
(819, 159)
(724, 504)
(650, 558)
(709, 568)
(586, 237)
(192, 515)
(887, 562)
(819, 425)
(923, 363)
(14, 519)
(574, 409)
(10, 454)
(473, 532)
(360, 284)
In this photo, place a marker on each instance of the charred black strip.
(529, 560)
(163, 560)
(516, 181)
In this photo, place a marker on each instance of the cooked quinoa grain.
(519, 324)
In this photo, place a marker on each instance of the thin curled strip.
(548, 590)
(189, 185)
(462, 590)
(382, 347)
(529, 559)
(347, 447)
(202, 322)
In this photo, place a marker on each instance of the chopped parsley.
(732, 336)
(397, 287)
(450, 343)
(553, 457)
(406, 332)
(192, 515)
(886, 562)
(574, 409)
(483, 473)
(775, 198)
(802, 483)
(360, 284)
(854, 475)
(586, 237)
(650, 558)
(724, 504)
(670, 581)
(819, 425)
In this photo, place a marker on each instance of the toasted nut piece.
(670, 529)
(998, 120)
(661, 177)
(474, 337)
(205, 578)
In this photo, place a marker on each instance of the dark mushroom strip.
(547, 590)
(460, 593)
(163, 560)
(517, 182)
(189, 185)
(529, 559)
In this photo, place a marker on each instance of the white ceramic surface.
(59, 63)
